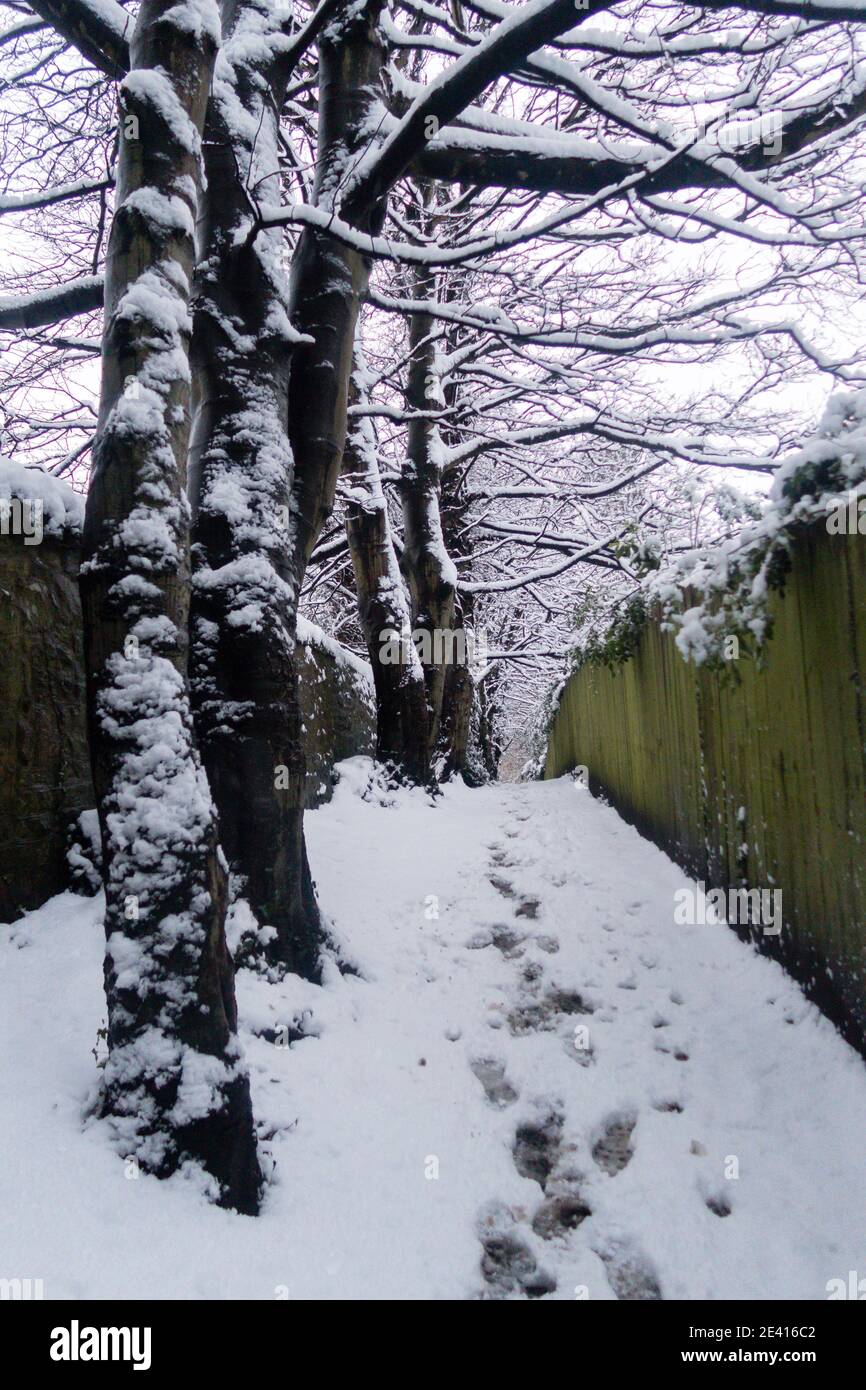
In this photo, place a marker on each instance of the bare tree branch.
(52, 305)
(99, 29)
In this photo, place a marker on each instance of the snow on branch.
(99, 29)
(51, 305)
(26, 202)
(526, 29)
(576, 557)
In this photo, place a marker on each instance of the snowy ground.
(545, 1090)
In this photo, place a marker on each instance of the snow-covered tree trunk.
(489, 748)
(176, 1089)
(244, 612)
(459, 697)
(401, 703)
(328, 277)
(429, 571)
(272, 371)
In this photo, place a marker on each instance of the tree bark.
(328, 278)
(244, 611)
(272, 372)
(425, 563)
(458, 699)
(402, 743)
(176, 1090)
(489, 745)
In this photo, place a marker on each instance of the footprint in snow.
(528, 908)
(508, 941)
(503, 937)
(538, 1155)
(560, 1214)
(630, 1276)
(613, 1151)
(536, 1147)
(532, 975)
(490, 1071)
(508, 1266)
(543, 1016)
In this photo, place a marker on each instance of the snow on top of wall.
(310, 635)
(62, 509)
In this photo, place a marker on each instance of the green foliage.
(619, 642)
(643, 553)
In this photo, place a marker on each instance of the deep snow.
(393, 1124)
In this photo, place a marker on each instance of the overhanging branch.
(100, 32)
(52, 305)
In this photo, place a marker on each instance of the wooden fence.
(759, 783)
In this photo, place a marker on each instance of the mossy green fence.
(757, 783)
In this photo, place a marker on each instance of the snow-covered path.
(536, 1085)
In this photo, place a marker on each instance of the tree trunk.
(269, 438)
(244, 612)
(402, 744)
(176, 1089)
(458, 700)
(328, 279)
(489, 745)
(433, 493)
(429, 572)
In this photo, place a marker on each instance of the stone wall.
(338, 708)
(44, 767)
